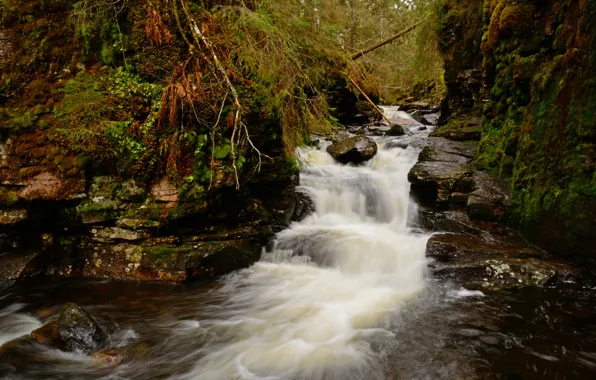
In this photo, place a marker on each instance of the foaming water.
(14, 324)
(318, 305)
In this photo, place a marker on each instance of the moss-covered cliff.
(538, 104)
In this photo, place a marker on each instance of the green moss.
(8, 198)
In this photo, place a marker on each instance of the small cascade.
(318, 305)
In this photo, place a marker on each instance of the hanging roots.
(155, 30)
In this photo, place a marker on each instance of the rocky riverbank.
(469, 211)
(126, 229)
(519, 79)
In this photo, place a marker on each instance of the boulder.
(396, 130)
(356, 149)
(416, 115)
(444, 173)
(79, 331)
(433, 182)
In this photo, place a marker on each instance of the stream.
(344, 294)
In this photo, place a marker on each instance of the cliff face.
(92, 184)
(538, 106)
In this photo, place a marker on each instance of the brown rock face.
(43, 186)
(164, 191)
(48, 334)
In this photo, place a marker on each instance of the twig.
(258, 167)
(223, 103)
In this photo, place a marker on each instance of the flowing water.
(343, 294)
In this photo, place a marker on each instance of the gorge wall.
(92, 184)
(526, 68)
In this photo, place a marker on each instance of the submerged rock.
(80, 331)
(356, 149)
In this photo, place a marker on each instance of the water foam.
(313, 307)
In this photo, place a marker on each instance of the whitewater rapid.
(319, 305)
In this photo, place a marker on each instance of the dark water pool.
(446, 333)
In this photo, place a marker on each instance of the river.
(344, 294)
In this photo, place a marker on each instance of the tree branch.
(387, 41)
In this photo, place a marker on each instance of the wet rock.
(378, 130)
(414, 106)
(457, 222)
(357, 130)
(444, 173)
(494, 263)
(430, 119)
(434, 181)
(12, 216)
(396, 130)
(491, 198)
(459, 131)
(355, 149)
(137, 223)
(432, 153)
(125, 261)
(416, 115)
(79, 331)
(49, 333)
(107, 358)
(467, 150)
(398, 144)
(115, 233)
(304, 205)
(21, 265)
(213, 259)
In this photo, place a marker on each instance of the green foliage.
(97, 116)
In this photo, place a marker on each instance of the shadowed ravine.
(343, 294)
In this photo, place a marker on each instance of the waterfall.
(318, 305)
